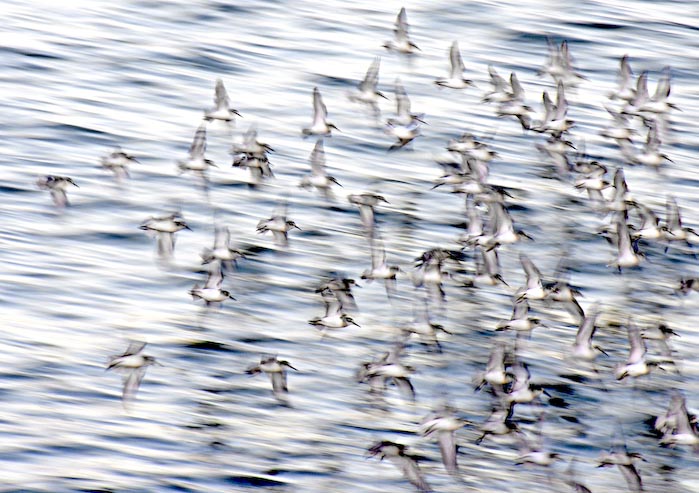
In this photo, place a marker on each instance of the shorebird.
(320, 125)
(335, 317)
(319, 178)
(534, 289)
(456, 78)
(251, 153)
(442, 423)
(677, 425)
(495, 373)
(134, 364)
(583, 347)
(628, 255)
(279, 225)
(341, 289)
(367, 91)
(636, 364)
(520, 320)
(222, 110)
(222, 249)
(165, 228)
(211, 292)
(388, 368)
(396, 453)
(380, 268)
(401, 41)
(366, 202)
(619, 456)
(56, 185)
(424, 328)
(276, 370)
(625, 84)
(118, 162)
(404, 117)
(197, 162)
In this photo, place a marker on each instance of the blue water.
(77, 284)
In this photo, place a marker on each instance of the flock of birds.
(630, 225)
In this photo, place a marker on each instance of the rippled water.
(81, 78)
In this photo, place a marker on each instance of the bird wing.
(198, 146)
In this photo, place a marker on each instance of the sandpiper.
(222, 110)
(319, 178)
(442, 423)
(118, 162)
(366, 202)
(583, 347)
(279, 225)
(677, 425)
(380, 268)
(56, 185)
(396, 453)
(165, 227)
(134, 364)
(520, 320)
(222, 249)
(197, 162)
(636, 364)
(401, 41)
(456, 78)
(495, 373)
(320, 125)
(388, 368)
(276, 370)
(367, 91)
(211, 292)
(335, 317)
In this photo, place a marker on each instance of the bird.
(619, 456)
(499, 422)
(165, 227)
(197, 162)
(628, 255)
(118, 162)
(495, 373)
(380, 268)
(404, 134)
(388, 368)
(677, 425)
(535, 287)
(424, 328)
(222, 110)
(404, 117)
(520, 320)
(367, 91)
(56, 185)
(134, 364)
(276, 370)
(251, 153)
(366, 202)
(397, 454)
(320, 125)
(583, 347)
(636, 364)
(443, 423)
(341, 289)
(222, 249)
(211, 292)
(279, 225)
(456, 78)
(401, 41)
(335, 317)
(319, 177)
